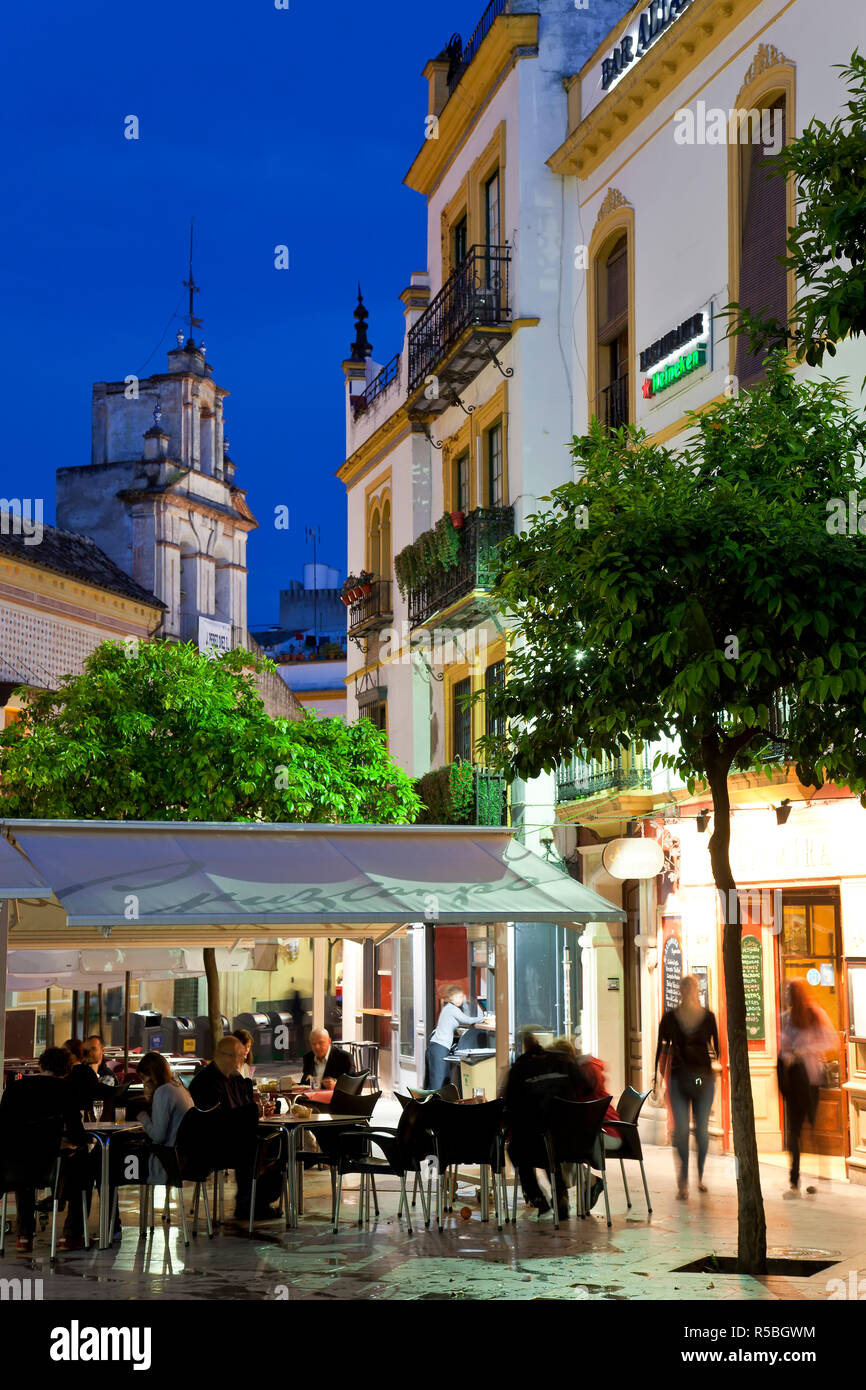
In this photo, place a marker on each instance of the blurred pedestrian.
(685, 1036)
(806, 1036)
(536, 1077)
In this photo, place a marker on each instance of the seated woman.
(245, 1037)
(170, 1101)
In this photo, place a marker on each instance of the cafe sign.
(641, 36)
(676, 353)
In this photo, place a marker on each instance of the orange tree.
(677, 597)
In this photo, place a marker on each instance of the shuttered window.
(763, 279)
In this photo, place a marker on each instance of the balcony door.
(612, 337)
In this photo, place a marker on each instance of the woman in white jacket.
(170, 1101)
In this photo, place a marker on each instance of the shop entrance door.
(810, 949)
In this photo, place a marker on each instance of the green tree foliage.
(627, 592)
(827, 244)
(164, 733)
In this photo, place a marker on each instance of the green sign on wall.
(753, 980)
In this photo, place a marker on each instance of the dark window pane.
(462, 717)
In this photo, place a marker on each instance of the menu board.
(753, 982)
(672, 972)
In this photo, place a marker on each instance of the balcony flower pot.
(366, 589)
(346, 599)
(457, 520)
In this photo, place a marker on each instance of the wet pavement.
(636, 1259)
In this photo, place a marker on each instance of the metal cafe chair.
(472, 1135)
(352, 1084)
(192, 1159)
(359, 1107)
(574, 1136)
(402, 1151)
(30, 1157)
(528, 1145)
(628, 1107)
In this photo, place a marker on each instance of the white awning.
(86, 969)
(182, 883)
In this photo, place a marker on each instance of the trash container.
(145, 1031)
(263, 1035)
(478, 1069)
(204, 1047)
(179, 1035)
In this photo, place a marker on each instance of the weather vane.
(193, 288)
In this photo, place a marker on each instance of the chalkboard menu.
(753, 981)
(672, 972)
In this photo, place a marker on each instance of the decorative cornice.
(767, 56)
(612, 200)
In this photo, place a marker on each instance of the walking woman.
(451, 1017)
(685, 1036)
(806, 1036)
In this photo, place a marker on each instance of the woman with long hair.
(245, 1037)
(806, 1036)
(685, 1036)
(170, 1101)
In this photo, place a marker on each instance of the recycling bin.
(179, 1035)
(204, 1046)
(263, 1035)
(145, 1031)
(478, 1071)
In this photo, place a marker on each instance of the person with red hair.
(806, 1036)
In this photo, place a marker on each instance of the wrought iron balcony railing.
(388, 375)
(374, 610)
(460, 59)
(476, 293)
(482, 531)
(612, 404)
(576, 778)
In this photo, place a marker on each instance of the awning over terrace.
(144, 884)
(73, 969)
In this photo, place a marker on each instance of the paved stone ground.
(634, 1260)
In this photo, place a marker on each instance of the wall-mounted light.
(702, 820)
(783, 811)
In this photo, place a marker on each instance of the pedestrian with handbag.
(685, 1036)
(806, 1036)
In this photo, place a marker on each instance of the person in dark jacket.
(535, 1077)
(221, 1083)
(325, 1063)
(685, 1036)
(93, 1080)
(44, 1097)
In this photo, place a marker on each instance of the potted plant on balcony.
(447, 543)
(457, 519)
(365, 582)
(347, 593)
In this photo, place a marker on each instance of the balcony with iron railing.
(389, 374)
(372, 611)
(612, 404)
(462, 56)
(462, 329)
(577, 778)
(470, 578)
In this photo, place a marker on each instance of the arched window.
(374, 542)
(385, 548)
(763, 229)
(612, 333)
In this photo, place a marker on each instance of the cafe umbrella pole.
(49, 1041)
(126, 1025)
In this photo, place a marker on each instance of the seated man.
(324, 1063)
(221, 1083)
(40, 1098)
(92, 1080)
(536, 1076)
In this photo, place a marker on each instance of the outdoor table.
(291, 1124)
(104, 1131)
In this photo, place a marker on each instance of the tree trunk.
(214, 1005)
(752, 1226)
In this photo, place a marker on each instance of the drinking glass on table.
(97, 1110)
(478, 1094)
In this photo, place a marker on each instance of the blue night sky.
(269, 127)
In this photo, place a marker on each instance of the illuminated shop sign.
(687, 332)
(667, 376)
(641, 35)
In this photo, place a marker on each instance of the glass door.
(810, 950)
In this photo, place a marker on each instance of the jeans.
(802, 1105)
(438, 1067)
(681, 1104)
